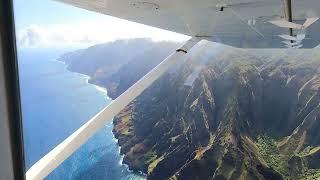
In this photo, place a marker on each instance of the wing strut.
(288, 14)
(55, 157)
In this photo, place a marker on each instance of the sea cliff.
(246, 114)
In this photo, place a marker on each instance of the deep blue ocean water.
(55, 102)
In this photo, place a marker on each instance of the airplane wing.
(238, 23)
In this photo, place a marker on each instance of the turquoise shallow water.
(55, 102)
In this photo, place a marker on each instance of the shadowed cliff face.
(222, 113)
(248, 115)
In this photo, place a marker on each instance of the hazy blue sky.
(48, 12)
(46, 23)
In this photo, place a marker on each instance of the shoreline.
(87, 78)
(105, 92)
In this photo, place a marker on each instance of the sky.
(51, 24)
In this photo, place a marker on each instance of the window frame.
(12, 153)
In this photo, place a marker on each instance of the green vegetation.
(310, 174)
(279, 162)
(242, 66)
(149, 157)
(271, 155)
(309, 150)
(126, 132)
(154, 163)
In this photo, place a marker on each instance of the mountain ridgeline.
(247, 114)
(117, 65)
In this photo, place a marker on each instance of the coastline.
(105, 92)
(86, 77)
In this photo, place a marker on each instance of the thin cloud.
(89, 33)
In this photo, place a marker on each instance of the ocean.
(55, 102)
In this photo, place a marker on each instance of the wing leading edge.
(238, 23)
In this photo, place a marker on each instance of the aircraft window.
(107, 98)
